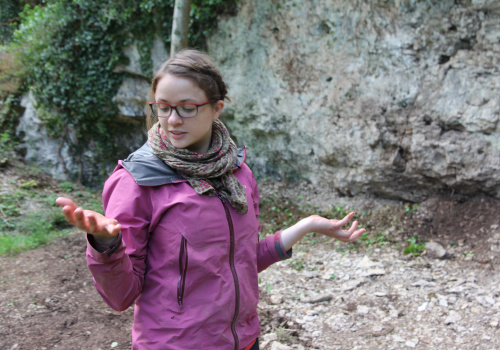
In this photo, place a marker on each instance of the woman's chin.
(177, 143)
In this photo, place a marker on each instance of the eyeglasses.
(184, 110)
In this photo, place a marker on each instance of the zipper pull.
(179, 301)
(176, 314)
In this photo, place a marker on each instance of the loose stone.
(453, 317)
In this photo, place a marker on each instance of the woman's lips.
(177, 134)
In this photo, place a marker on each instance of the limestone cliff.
(395, 98)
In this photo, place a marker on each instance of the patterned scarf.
(206, 173)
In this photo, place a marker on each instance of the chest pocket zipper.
(183, 265)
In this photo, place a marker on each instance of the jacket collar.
(149, 170)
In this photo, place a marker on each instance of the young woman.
(180, 232)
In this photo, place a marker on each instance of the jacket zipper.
(181, 282)
(235, 275)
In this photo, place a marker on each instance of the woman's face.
(195, 133)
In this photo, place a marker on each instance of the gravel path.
(328, 297)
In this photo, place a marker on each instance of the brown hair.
(195, 65)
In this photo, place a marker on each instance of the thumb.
(113, 227)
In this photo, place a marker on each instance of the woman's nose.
(174, 118)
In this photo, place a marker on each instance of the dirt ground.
(48, 300)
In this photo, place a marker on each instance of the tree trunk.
(180, 26)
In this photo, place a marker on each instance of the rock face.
(40, 148)
(131, 99)
(132, 95)
(55, 156)
(394, 98)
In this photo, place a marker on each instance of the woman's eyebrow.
(181, 101)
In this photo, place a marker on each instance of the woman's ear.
(218, 107)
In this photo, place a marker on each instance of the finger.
(352, 234)
(346, 219)
(353, 227)
(80, 221)
(63, 201)
(356, 235)
(68, 212)
(92, 224)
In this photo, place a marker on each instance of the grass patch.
(414, 247)
(29, 217)
(374, 239)
(36, 228)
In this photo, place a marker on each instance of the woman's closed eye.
(187, 108)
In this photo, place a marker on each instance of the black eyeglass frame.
(172, 107)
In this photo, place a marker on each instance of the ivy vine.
(69, 50)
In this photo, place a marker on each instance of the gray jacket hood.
(149, 170)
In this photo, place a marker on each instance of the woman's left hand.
(333, 228)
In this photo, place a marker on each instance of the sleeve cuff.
(279, 247)
(108, 250)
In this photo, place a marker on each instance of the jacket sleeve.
(119, 271)
(270, 248)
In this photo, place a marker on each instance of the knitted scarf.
(208, 173)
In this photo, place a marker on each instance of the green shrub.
(67, 51)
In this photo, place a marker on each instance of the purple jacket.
(189, 262)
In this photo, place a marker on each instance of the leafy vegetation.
(66, 52)
(9, 18)
(8, 139)
(374, 239)
(414, 247)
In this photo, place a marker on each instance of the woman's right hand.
(103, 229)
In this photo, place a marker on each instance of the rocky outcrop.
(132, 96)
(54, 155)
(41, 149)
(394, 98)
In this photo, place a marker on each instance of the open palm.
(333, 228)
(101, 227)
